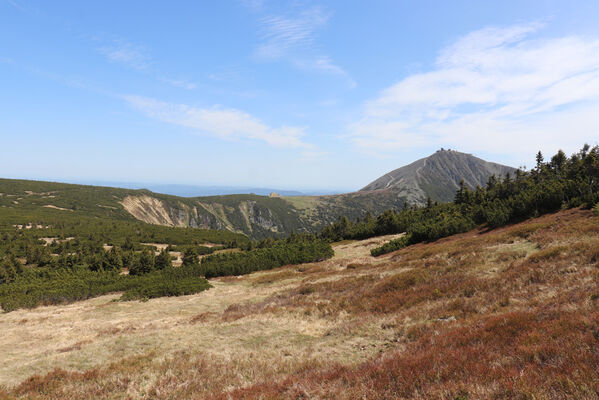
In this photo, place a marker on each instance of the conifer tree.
(163, 260)
(190, 257)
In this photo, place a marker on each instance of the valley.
(484, 296)
(304, 330)
(299, 200)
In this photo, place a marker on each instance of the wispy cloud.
(127, 54)
(328, 102)
(16, 5)
(282, 34)
(325, 65)
(181, 83)
(226, 73)
(230, 124)
(311, 155)
(294, 39)
(253, 4)
(496, 90)
(137, 57)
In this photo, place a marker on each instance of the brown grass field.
(511, 313)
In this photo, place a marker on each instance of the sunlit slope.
(507, 313)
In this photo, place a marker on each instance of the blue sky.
(295, 94)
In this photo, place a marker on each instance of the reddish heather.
(525, 355)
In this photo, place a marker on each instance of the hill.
(437, 176)
(505, 313)
(253, 215)
(249, 214)
(256, 216)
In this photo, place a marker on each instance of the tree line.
(296, 249)
(560, 182)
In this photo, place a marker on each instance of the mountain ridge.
(437, 176)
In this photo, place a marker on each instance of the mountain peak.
(437, 176)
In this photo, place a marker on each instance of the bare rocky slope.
(438, 176)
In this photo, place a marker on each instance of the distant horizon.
(178, 188)
(216, 189)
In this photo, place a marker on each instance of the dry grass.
(510, 313)
(360, 249)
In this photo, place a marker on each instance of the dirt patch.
(159, 246)
(178, 261)
(360, 248)
(31, 226)
(56, 208)
(50, 240)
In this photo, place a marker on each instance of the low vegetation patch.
(46, 286)
(391, 246)
(546, 254)
(511, 355)
(295, 250)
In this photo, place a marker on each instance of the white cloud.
(230, 124)
(294, 39)
(495, 90)
(128, 54)
(282, 35)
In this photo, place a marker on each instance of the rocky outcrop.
(246, 216)
(154, 211)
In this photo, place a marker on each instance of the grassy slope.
(32, 197)
(511, 313)
(252, 215)
(79, 199)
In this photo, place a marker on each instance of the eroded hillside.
(508, 313)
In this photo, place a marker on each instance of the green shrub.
(391, 246)
(43, 286)
(301, 249)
